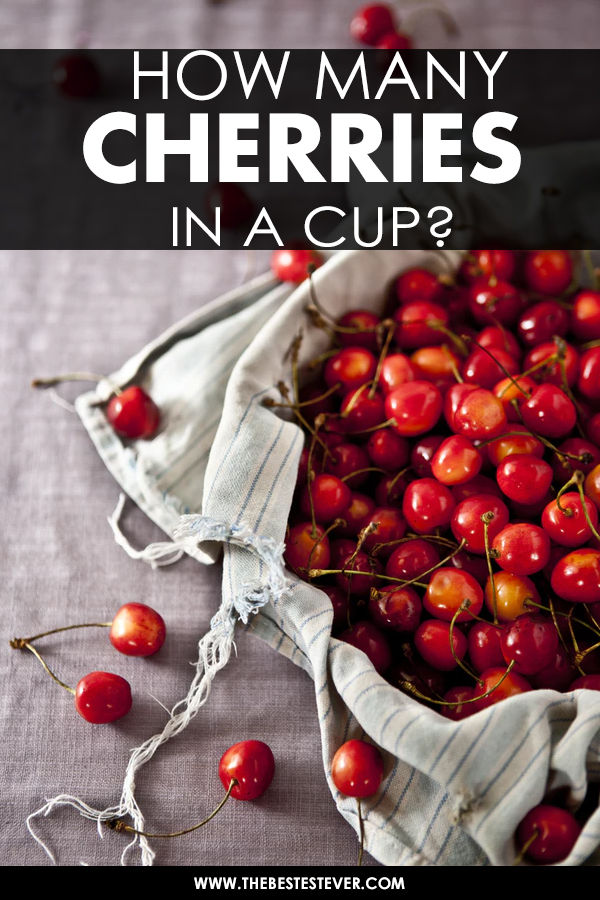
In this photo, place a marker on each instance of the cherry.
(467, 524)
(418, 324)
(474, 565)
(424, 678)
(456, 461)
(236, 206)
(427, 505)
(411, 559)
(320, 403)
(389, 526)
(423, 452)
(481, 484)
(553, 371)
(387, 450)
(373, 643)
(396, 608)
(486, 368)
(396, 369)
(524, 478)
(418, 285)
(436, 364)
(585, 316)
(460, 707)
(512, 595)
(588, 382)
(447, 591)
(566, 524)
(543, 321)
(133, 414)
(516, 440)
(593, 429)
(360, 411)
(390, 489)
(480, 415)
(366, 336)
(522, 548)
(77, 75)
(291, 263)
(501, 685)
(357, 769)
(509, 390)
(102, 697)
(490, 263)
(495, 337)
(591, 486)
(394, 40)
(137, 630)
(372, 22)
(565, 466)
(531, 641)
(549, 412)
(576, 577)
(432, 640)
(453, 398)
(330, 498)
(415, 407)
(252, 765)
(351, 368)
(339, 602)
(548, 271)
(344, 460)
(305, 548)
(558, 675)
(484, 646)
(588, 682)
(492, 301)
(351, 582)
(357, 515)
(549, 834)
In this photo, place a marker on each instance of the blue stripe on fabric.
(279, 471)
(404, 729)
(443, 845)
(316, 615)
(507, 791)
(324, 715)
(354, 678)
(403, 794)
(323, 687)
(471, 747)
(372, 687)
(256, 478)
(443, 750)
(578, 727)
(432, 821)
(326, 628)
(388, 783)
(387, 722)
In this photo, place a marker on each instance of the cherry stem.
(413, 690)
(462, 608)
(120, 825)
(452, 365)
(486, 518)
(361, 832)
(521, 854)
(579, 483)
(318, 573)
(551, 609)
(391, 328)
(335, 524)
(362, 471)
(324, 396)
(19, 643)
(581, 654)
(502, 368)
(53, 380)
(574, 639)
(294, 352)
(22, 644)
(411, 536)
(373, 427)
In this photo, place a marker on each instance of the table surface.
(91, 310)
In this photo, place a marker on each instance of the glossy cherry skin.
(495, 337)
(388, 450)
(588, 382)
(569, 529)
(357, 769)
(252, 764)
(481, 484)
(236, 206)
(330, 498)
(518, 388)
(501, 688)
(458, 695)
(102, 697)
(524, 478)
(516, 440)
(522, 548)
(548, 271)
(291, 263)
(456, 461)
(415, 407)
(373, 643)
(418, 285)
(585, 316)
(552, 371)
(555, 830)
(576, 577)
(350, 368)
(492, 301)
(453, 399)
(549, 412)
(357, 584)
(339, 602)
(467, 523)
(589, 682)
(389, 526)
(396, 369)
(542, 321)
(423, 452)
(432, 640)
(304, 550)
(133, 414)
(345, 459)
(531, 641)
(357, 515)
(591, 486)
(77, 75)
(564, 466)
(390, 490)
(484, 646)
(411, 559)
(448, 590)
(427, 505)
(417, 324)
(360, 411)
(396, 608)
(364, 320)
(486, 369)
(137, 630)
(512, 595)
(479, 416)
(558, 675)
(371, 22)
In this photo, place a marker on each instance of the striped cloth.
(453, 792)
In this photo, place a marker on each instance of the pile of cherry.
(448, 492)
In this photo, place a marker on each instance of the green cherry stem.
(361, 832)
(417, 693)
(464, 607)
(486, 518)
(22, 644)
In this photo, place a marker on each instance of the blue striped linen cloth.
(453, 792)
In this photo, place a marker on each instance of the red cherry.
(387, 450)
(558, 675)
(549, 412)
(345, 459)
(548, 271)
(591, 485)
(77, 75)
(512, 444)
(304, 550)
(549, 833)
(360, 411)
(394, 40)
(411, 559)
(564, 466)
(492, 301)
(351, 368)
(588, 382)
(432, 640)
(396, 608)
(446, 592)
(390, 527)
(522, 548)
(418, 285)
(524, 478)
(585, 316)
(501, 687)
(589, 682)
(291, 263)
(490, 263)
(339, 602)
(396, 369)
(593, 429)
(543, 321)
(390, 490)
(427, 505)
(487, 368)
(458, 695)
(357, 769)
(576, 577)
(436, 364)
(423, 452)
(467, 523)
(481, 484)
(456, 461)
(418, 324)
(480, 416)
(373, 643)
(236, 206)
(531, 641)
(330, 498)
(102, 697)
(367, 322)
(553, 372)
(507, 392)
(416, 407)
(371, 22)
(512, 595)
(569, 529)
(357, 515)
(484, 646)
(137, 630)
(133, 414)
(495, 337)
(252, 764)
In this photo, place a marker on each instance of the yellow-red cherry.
(137, 630)
(447, 591)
